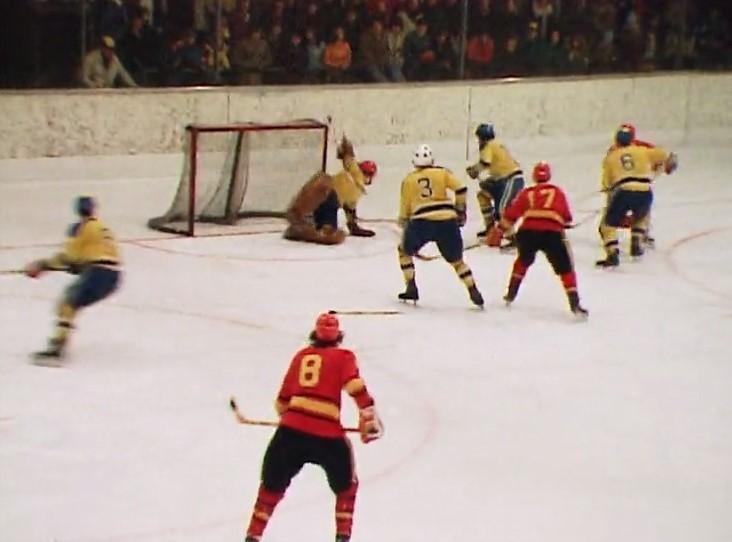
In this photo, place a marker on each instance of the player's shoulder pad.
(73, 230)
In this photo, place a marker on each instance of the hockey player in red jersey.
(545, 213)
(310, 431)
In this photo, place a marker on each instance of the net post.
(192, 179)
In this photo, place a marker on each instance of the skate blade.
(46, 361)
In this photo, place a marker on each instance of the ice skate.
(342, 538)
(612, 260)
(357, 231)
(411, 293)
(51, 356)
(574, 305)
(475, 296)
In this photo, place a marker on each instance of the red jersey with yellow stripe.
(542, 206)
(309, 399)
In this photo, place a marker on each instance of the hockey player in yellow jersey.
(627, 174)
(499, 177)
(91, 253)
(313, 213)
(428, 212)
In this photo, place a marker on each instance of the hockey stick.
(12, 272)
(431, 257)
(267, 423)
(365, 312)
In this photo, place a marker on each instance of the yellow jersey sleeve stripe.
(323, 409)
(354, 386)
(541, 213)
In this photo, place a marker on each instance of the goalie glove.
(369, 425)
(345, 148)
(672, 162)
(35, 269)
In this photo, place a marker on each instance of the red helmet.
(368, 167)
(629, 128)
(327, 328)
(542, 172)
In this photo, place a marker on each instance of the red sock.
(344, 507)
(569, 281)
(263, 509)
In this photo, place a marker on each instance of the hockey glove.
(494, 236)
(369, 425)
(35, 269)
(473, 171)
(461, 217)
(672, 162)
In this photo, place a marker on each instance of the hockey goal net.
(235, 171)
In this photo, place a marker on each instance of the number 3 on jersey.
(426, 188)
(309, 374)
(546, 197)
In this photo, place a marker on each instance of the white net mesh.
(243, 170)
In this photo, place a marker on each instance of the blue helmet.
(624, 137)
(84, 205)
(485, 131)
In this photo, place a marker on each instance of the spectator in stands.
(142, 50)
(543, 12)
(373, 53)
(112, 18)
(578, 55)
(312, 18)
(712, 34)
(351, 26)
(294, 60)
(315, 48)
(558, 55)
(535, 51)
(509, 62)
(395, 48)
(250, 58)
(452, 15)
(240, 21)
(509, 20)
(479, 55)
(481, 16)
(433, 13)
(604, 16)
(337, 57)
(102, 68)
(419, 54)
(446, 56)
(277, 43)
(186, 63)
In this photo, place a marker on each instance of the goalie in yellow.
(313, 214)
(91, 253)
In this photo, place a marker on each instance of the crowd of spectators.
(252, 42)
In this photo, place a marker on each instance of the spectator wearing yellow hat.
(102, 68)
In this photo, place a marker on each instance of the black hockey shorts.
(289, 450)
(552, 243)
(445, 234)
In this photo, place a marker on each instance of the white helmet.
(423, 156)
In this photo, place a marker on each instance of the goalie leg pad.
(313, 193)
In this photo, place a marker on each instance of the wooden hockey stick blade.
(386, 312)
(11, 272)
(267, 423)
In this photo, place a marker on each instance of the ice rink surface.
(516, 425)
